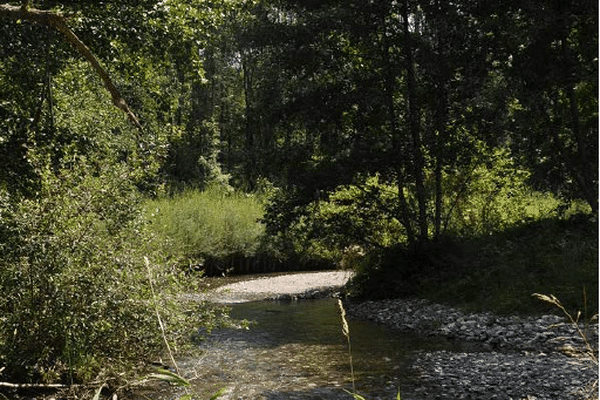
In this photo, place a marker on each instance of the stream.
(296, 350)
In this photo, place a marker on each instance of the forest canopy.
(352, 127)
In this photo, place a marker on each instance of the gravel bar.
(532, 358)
(284, 287)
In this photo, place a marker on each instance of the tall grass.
(346, 333)
(586, 352)
(213, 223)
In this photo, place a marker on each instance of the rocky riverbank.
(512, 358)
(500, 358)
(546, 333)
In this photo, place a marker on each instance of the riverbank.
(508, 357)
(512, 358)
(287, 286)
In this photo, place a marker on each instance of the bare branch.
(57, 21)
(33, 385)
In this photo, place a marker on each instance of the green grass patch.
(216, 223)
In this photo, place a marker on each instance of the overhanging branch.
(58, 22)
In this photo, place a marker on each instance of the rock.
(526, 362)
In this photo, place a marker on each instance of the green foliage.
(494, 272)
(493, 196)
(489, 195)
(214, 223)
(75, 290)
(362, 214)
(333, 102)
(347, 222)
(168, 376)
(64, 270)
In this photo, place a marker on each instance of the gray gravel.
(516, 358)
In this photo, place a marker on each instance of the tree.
(554, 73)
(57, 21)
(75, 285)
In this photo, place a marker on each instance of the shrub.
(338, 229)
(76, 303)
(494, 196)
(76, 299)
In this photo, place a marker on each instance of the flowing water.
(296, 350)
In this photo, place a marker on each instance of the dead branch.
(33, 385)
(58, 21)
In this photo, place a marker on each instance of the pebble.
(520, 358)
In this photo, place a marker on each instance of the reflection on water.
(318, 322)
(297, 350)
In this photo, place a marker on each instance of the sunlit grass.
(215, 223)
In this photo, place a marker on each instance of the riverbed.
(295, 349)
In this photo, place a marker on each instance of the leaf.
(97, 395)
(355, 395)
(219, 393)
(171, 377)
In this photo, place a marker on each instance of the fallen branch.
(34, 385)
(58, 21)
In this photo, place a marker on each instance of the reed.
(346, 333)
(214, 223)
(587, 352)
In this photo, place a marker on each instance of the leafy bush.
(493, 196)
(363, 214)
(75, 290)
(337, 229)
(489, 195)
(77, 304)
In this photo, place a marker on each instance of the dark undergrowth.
(496, 273)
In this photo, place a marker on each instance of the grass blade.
(219, 393)
(97, 395)
(171, 377)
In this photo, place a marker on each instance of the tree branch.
(33, 385)
(57, 21)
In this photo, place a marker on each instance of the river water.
(296, 350)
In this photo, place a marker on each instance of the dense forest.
(144, 141)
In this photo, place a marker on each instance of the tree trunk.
(414, 126)
(398, 150)
(440, 117)
(249, 142)
(579, 167)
